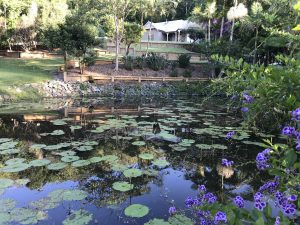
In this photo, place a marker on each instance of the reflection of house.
(169, 30)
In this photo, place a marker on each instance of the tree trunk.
(149, 36)
(209, 31)
(232, 30)
(65, 61)
(127, 50)
(223, 20)
(117, 43)
(255, 45)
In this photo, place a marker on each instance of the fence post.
(112, 79)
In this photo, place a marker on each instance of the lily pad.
(80, 217)
(81, 163)
(146, 156)
(14, 161)
(44, 204)
(110, 158)
(11, 151)
(67, 153)
(136, 211)
(75, 128)
(15, 168)
(157, 222)
(90, 143)
(40, 162)
(58, 122)
(37, 146)
(179, 219)
(119, 167)
(8, 145)
(57, 133)
(68, 159)
(95, 159)
(27, 216)
(162, 163)
(122, 186)
(67, 195)
(6, 205)
(85, 148)
(57, 166)
(204, 146)
(218, 146)
(6, 183)
(138, 143)
(131, 173)
(5, 218)
(2, 140)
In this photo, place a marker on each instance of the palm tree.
(207, 14)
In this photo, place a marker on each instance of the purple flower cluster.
(172, 210)
(220, 217)
(270, 186)
(229, 135)
(247, 98)
(204, 217)
(296, 114)
(244, 109)
(259, 202)
(190, 202)
(201, 199)
(277, 221)
(210, 198)
(227, 163)
(262, 159)
(239, 202)
(285, 203)
(202, 188)
(288, 131)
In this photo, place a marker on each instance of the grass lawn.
(160, 50)
(24, 71)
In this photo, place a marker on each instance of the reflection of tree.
(101, 192)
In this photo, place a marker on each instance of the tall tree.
(119, 9)
(238, 11)
(132, 34)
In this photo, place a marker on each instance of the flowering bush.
(282, 193)
(268, 93)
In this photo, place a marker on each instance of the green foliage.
(156, 62)
(132, 34)
(184, 60)
(273, 87)
(129, 62)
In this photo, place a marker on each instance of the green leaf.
(80, 217)
(260, 221)
(122, 186)
(136, 210)
(290, 158)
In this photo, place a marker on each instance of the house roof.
(172, 26)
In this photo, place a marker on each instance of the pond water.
(87, 160)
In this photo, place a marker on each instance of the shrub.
(129, 62)
(156, 62)
(90, 59)
(140, 62)
(184, 60)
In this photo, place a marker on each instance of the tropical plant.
(206, 14)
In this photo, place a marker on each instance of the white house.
(169, 30)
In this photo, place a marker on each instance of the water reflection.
(184, 133)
